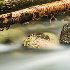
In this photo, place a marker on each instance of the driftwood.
(33, 12)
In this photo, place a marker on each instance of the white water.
(54, 60)
(14, 57)
(5, 48)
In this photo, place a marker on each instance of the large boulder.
(41, 41)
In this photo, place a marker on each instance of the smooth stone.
(44, 40)
(11, 35)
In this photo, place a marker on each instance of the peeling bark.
(33, 12)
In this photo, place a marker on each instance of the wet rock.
(41, 41)
(11, 35)
(65, 34)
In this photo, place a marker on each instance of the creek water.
(15, 57)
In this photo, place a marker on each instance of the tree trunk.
(33, 12)
(13, 5)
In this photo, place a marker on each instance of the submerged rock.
(41, 41)
(11, 35)
(65, 34)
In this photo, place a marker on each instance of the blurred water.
(15, 57)
(35, 61)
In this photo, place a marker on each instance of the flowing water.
(14, 57)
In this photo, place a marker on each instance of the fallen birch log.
(33, 12)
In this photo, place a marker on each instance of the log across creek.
(7, 6)
(33, 12)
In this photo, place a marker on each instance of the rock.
(41, 41)
(65, 34)
(11, 35)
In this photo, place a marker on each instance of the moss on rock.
(41, 41)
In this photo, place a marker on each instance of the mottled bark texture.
(33, 12)
(13, 5)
